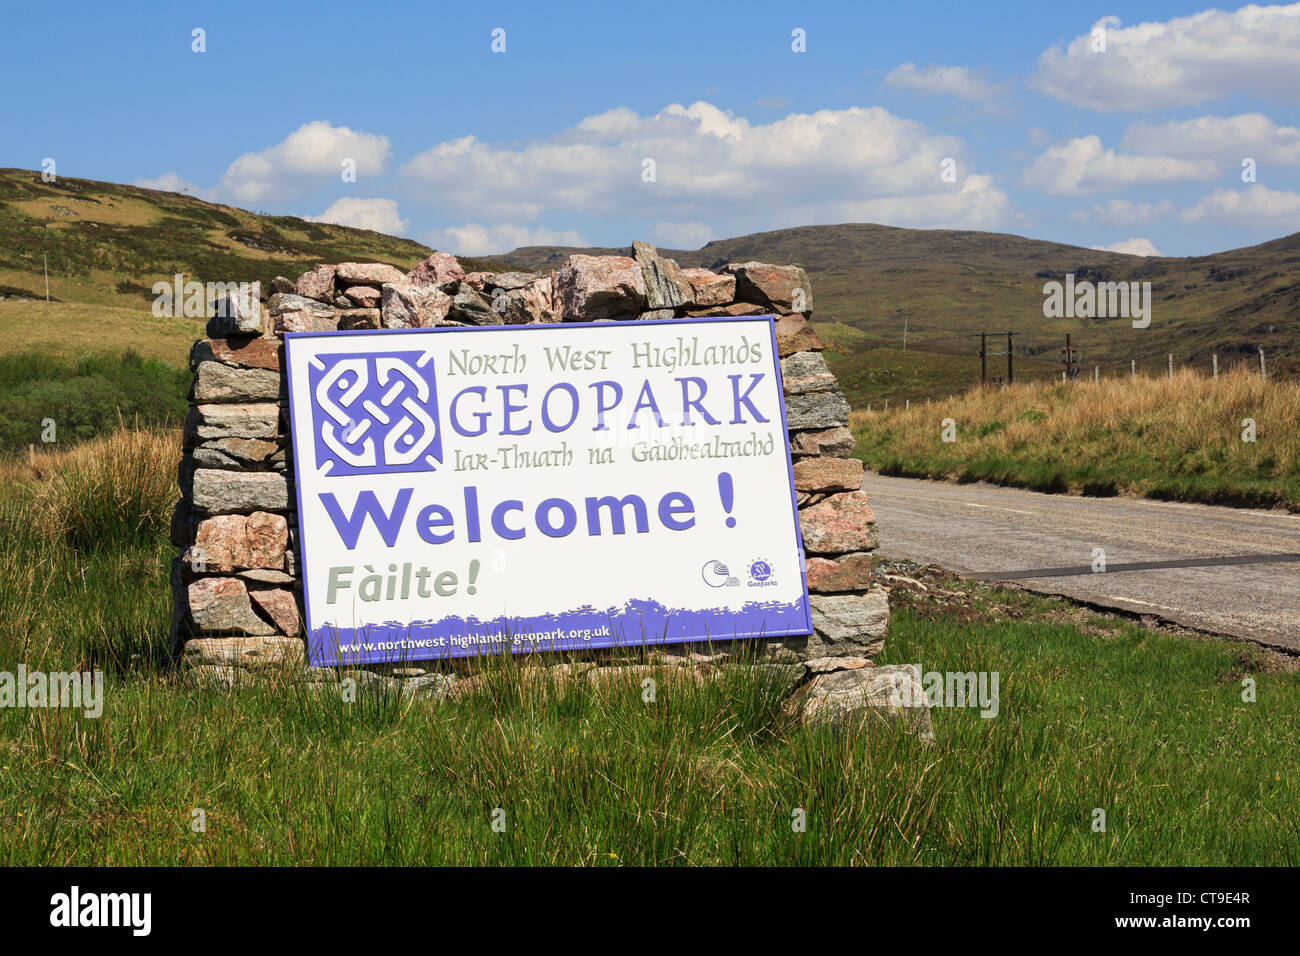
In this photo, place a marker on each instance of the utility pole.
(985, 353)
(1071, 360)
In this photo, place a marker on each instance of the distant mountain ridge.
(107, 244)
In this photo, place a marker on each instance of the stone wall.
(235, 581)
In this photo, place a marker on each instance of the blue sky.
(1138, 146)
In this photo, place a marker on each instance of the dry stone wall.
(235, 580)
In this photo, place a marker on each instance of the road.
(1229, 571)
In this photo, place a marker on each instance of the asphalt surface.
(1228, 571)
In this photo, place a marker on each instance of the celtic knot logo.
(375, 413)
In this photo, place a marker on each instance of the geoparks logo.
(375, 413)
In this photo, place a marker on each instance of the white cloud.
(1037, 137)
(682, 235)
(1083, 165)
(799, 169)
(959, 81)
(1253, 207)
(306, 159)
(174, 183)
(381, 215)
(1231, 138)
(1254, 51)
(1124, 212)
(474, 239)
(973, 205)
(1131, 247)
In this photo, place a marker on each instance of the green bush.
(86, 398)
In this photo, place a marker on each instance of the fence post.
(1262, 373)
(1096, 374)
(1171, 364)
(1215, 360)
(1133, 369)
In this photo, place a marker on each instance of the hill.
(946, 285)
(106, 245)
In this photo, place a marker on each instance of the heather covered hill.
(106, 244)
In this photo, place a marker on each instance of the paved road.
(1230, 571)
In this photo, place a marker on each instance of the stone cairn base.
(237, 594)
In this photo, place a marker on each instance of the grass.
(69, 330)
(1173, 438)
(1094, 712)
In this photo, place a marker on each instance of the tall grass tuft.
(84, 553)
(110, 492)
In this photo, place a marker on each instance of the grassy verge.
(1094, 712)
(1179, 438)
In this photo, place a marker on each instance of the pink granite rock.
(318, 283)
(237, 542)
(839, 524)
(599, 287)
(852, 572)
(280, 607)
(221, 606)
(783, 288)
(710, 288)
(367, 273)
(438, 268)
(363, 296)
(410, 306)
(828, 474)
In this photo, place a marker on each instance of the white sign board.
(471, 490)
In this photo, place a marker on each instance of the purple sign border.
(792, 619)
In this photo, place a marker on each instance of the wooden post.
(46, 260)
(1133, 369)
(907, 405)
(1171, 364)
(1096, 374)
(984, 359)
(1214, 360)
(1262, 372)
(1011, 370)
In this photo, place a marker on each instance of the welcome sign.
(542, 487)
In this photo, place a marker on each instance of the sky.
(1151, 128)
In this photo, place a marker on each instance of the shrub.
(86, 398)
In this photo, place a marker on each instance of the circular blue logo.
(760, 570)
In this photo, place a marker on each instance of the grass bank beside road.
(1094, 713)
(1177, 438)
